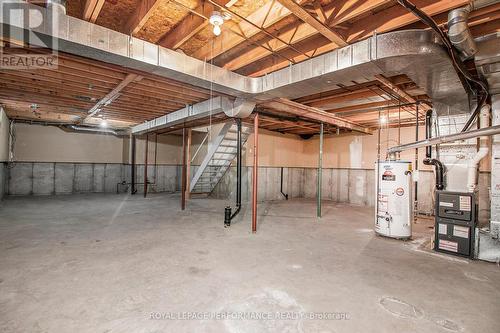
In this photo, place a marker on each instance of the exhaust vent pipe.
(428, 154)
(484, 122)
(458, 29)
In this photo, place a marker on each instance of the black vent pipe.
(428, 154)
(227, 212)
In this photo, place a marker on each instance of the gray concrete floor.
(108, 263)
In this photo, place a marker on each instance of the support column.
(320, 171)
(188, 162)
(132, 165)
(184, 169)
(146, 166)
(255, 171)
(415, 202)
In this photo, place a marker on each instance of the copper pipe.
(255, 171)
(146, 166)
(184, 169)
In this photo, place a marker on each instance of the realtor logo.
(26, 33)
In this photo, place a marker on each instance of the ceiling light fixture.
(216, 19)
(104, 123)
(383, 119)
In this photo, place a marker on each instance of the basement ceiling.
(260, 37)
(265, 35)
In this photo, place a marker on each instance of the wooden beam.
(301, 34)
(398, 91)
(188, 27)
(264, 17)
(92, 9)
(387, 20)
(113, 94)
(315, 114)
(320, 12)
(319, 26)
(141, 15)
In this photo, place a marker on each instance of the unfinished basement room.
(250, 166)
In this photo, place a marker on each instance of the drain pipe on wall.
(228, 217)
(428, 154)
(281, 185)
(484, 120)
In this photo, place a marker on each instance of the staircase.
(219, 157)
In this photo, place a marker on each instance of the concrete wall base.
(353, 186)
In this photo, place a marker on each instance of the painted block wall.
(4, 149)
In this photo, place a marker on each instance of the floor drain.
(400, 308)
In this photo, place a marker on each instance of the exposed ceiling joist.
(389, 19)
(109, 98)
(264, 17)
(141, 15)
(188, 27)
(299, 35)
(398, 91)
(291, 107)
(319, 26)
(92, 9)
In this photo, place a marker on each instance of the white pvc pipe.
(484, 119)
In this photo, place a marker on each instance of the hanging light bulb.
(104, 123)
(216, 19)
(217, 30)
(383, 119)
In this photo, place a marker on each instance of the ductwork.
(239, 109)
(484, 120)
(416, 53)
(94, 130)
(458, 28)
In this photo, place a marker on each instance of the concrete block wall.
(3, 180)
(354, 186)
(41, 178)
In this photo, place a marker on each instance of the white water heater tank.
(393, 191)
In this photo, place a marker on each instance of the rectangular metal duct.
(415, 53)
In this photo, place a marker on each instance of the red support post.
(255, 171)
(146, 166)
(184, 169)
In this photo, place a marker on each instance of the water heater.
(393, 191)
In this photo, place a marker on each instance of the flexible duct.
(428, 154)
(458, 29)
(484, 119)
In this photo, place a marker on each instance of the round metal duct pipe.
(458, 28)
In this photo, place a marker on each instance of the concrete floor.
(108, 263)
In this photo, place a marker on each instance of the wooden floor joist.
(315, 114)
